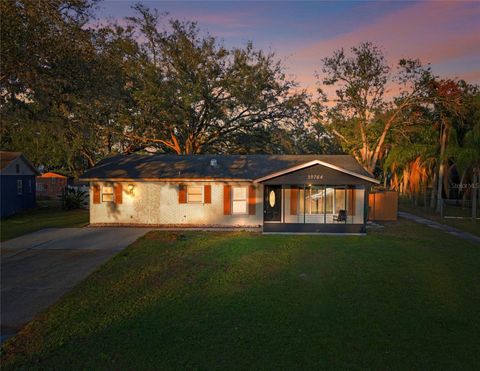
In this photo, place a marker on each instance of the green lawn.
(404, 297)
(465, 224)
(39, 218)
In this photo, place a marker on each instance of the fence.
(383, 206)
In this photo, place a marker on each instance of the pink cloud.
(435, 32)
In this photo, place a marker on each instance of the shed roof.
(234, 167)
(52, 175)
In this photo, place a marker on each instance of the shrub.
(72, 198)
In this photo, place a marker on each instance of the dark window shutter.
(118, 189)
(207, 194)
(182, 194)
(251, 200)
(96, 193)
(227, 199)
(293, 200)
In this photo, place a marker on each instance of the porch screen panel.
(355, 205)
(339, 200)
(301, 197)
(329, 194)
(293, 200)
(351, 202)
(315, 200)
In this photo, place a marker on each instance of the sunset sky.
(445, 34)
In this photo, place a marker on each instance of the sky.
(445, 34)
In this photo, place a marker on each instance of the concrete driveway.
(38, 268)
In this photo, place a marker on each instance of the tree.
(363, 115)
(193, 95)
(446, 96)
(60, 89)
(465, 149)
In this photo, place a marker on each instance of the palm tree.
(465, 151)
(448, 104)
(411, 166)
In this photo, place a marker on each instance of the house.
(17, 183)
(278, 193)
(51, 185)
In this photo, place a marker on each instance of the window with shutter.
(293, 200)
(194, 194)
(239, 200)
(107, 194)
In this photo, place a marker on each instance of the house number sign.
(314, 177)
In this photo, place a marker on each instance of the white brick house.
(308, 193)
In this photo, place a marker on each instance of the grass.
(403, 297)
(465, 224)
(44, 216)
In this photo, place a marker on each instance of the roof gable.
(9, 159)
(313, 175)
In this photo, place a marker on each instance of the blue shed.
(17, 183)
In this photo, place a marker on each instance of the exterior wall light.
(131, 188)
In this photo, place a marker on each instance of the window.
(19, 187)
(329, 200)
(107, 194)
(239, 200)
(17, 168)
(194, 194)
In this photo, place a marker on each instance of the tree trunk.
(434, 188)
(425, 197)
(441, 168)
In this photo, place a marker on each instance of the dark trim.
(314, 228)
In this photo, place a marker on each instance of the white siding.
(157, 203)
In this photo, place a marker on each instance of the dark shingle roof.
(198, 166)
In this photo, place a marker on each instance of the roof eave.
(93, 179)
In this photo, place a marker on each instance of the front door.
(272, 203)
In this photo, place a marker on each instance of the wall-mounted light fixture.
(131, 189)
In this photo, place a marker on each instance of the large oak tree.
(193, 95)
